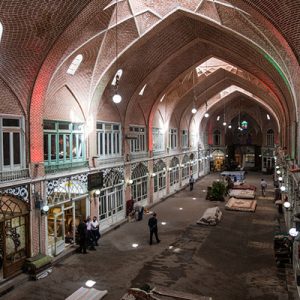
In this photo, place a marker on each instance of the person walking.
(263, 185)
(191, 181)
(152, 223)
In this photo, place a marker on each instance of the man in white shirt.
(263, 185)
(90, 234)
(95, 230)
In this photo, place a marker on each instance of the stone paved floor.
(233, 260)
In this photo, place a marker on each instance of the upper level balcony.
(12, 175)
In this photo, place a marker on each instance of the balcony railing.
(6, 176)
(51, 169)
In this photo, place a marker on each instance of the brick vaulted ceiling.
(157, 42)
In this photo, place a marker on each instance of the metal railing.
(6, 176)
(51, 169)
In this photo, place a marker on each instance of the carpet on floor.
(241, 204)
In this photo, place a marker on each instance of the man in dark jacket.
(191, 182)
(152, 223)
(82, 232)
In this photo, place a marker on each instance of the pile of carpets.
(161, 293)
(212, 216)
(242, 193)
(244, 186)
(241, 204)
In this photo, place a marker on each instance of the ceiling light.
(287, 204)
(194, 110)
(229, 126)
(163, 223)
(224, 123)
(218, 118)
(117, 98)
(206, 115)
(135, 245)
(180, 208)
(280, 178)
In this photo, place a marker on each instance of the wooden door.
(15, 244)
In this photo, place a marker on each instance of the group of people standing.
(88, 234)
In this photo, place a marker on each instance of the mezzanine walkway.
(233, 260)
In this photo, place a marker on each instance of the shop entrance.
(218, 159)
(111, 206)
(13, 235)
(62, 224)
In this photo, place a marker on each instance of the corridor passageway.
(233, 260)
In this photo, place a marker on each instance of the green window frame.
(63, 142)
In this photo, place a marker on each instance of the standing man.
(191, 181)
(95, 230)
(152, 223)
(263, 185)
(82, 232)
(90, 234)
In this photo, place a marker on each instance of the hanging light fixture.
(224, 118)
(224, 102)
(239, 124)
(206, 115)
(194, 110)
(117, 98)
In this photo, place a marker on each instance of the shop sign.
(95, 181)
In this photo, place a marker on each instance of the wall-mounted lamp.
(280, 178)
(170, 169)
(153, 174)
(130, 182)
(278, 172)
(287, 204)
(283, 188)
(277, 167)
(45, 210)
(293, 232)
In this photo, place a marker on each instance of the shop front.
(174, 169)
(112, 200)
(68, 202)
(218, 157)
(140, 182)
(14, 234)
(159, 178)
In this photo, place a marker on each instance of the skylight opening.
(142, 90)
(1, 31)
(211, 65)
(118, 73)
(268, 117)
(162, 98)
(75, 64)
